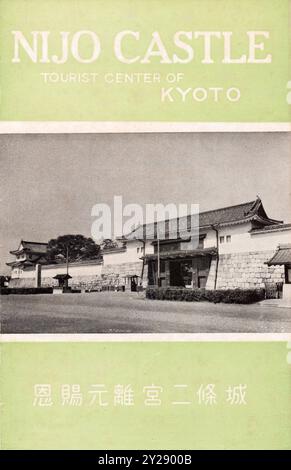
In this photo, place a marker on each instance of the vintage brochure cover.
(145, 252)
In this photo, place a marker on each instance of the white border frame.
(82, 127)
(145, 338)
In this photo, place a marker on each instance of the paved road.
(130, 313)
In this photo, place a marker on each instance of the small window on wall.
(162, 266)
(221, 239)
(288, 274)
(137, 249)
(201, 243)
(228, 238)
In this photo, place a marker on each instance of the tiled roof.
(31, 247)
(282, 256)
(35, 246)
(117, 249)
(50, 265)
(22, 264)
(245, 212)
(62, 276)
(271, 228)
(226, 214)
(183, 254)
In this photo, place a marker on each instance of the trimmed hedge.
(227, 296)
(25, 290)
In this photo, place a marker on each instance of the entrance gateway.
(181, 268)
(189, 273)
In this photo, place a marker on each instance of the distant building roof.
(63, 277)
(282, 256)
(20, 264)
(31, 247)
(117, 249)
(271, 228)
(246, 212)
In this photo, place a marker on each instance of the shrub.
(26, 290)
(227, 296)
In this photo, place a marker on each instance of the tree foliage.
(108, 244)
(78, 248)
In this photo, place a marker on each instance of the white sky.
(50, 182)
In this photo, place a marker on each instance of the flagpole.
(159, 267)
(67, 259)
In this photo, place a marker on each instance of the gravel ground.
(130, 313)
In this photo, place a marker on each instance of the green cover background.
(264, 423)
(263, 86)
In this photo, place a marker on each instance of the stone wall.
(111, 275)
(123, 269)
(118, 273)
(22, 282)
(77, 282)
(210, 284)
(247, 270)
(235, 270)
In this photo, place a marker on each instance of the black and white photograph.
(93, 240)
